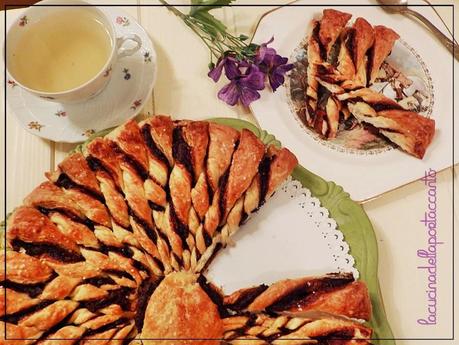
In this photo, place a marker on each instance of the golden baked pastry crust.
(180, 309)
(412, 132)
(331, 25)
(112, 247)
(337, 83)
(384, 41)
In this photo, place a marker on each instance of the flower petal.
(276, 80)
(279, 60)
(231, 68)
(216, 72)
(230, 93)
(248, 96)
(255, 79)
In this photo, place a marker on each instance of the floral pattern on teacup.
(23, 21)
(88, 132)
(12, 83)
(126, 73)
(60, 113)
(108, 71)
(147, 57)
(35, 125)
(122, 21)
(136, 104)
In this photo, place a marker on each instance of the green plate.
(353, 223)
(350, 217)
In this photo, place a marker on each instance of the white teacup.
(58, 68)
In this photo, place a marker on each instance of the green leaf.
(243, 37)
(207, 5)
(210, 21)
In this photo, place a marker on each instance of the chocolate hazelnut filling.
(131, 160)
(119, 296)
(144, 293)
(181, 152)
(33, 290)
(85, 221)
(66, 182)
(310, 290)
(179, 228)
(247, 297)
(16, 317)
(99, 281)
(263, 170)
(214, 295)
(154, 149)
(49, 249)
(106, 327)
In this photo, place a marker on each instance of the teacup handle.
(122, 52)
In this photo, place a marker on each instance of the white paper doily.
(291, 236)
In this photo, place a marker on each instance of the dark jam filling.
(158, 262)
(222, 183)
(99, 281)
(55, 328)
(334, 52)
(213, 294)
(311, 289)
(144, 292)
(141, 266)
(247, 297)
(64, 181)
(85, 221)
(263, 170)
(33, 290)
(131, 160)
(16, 317)
(244, 218)
(155, 207)
(151, 233)
(324, 95)
(97, 165)
(371, 53)
(49, 249)
(179, 228)
(335, 337)
(350, 44)
(124, 250)
(385, 106)
(315, 35)
(106, 327)
(181, 152)
(119, 296)
(154, 149)
(118, 273)
(207, 238)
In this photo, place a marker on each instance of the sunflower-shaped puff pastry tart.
(113, 247)
(343, 62)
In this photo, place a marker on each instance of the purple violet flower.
(230, 64)
(272, 64)
(244, 86)
(247, 74)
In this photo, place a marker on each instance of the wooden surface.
(183, 90)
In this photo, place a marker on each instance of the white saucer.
(123, 98)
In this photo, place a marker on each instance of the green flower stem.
(213, 34)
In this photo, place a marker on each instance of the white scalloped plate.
(364, 176)
(295, 238)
